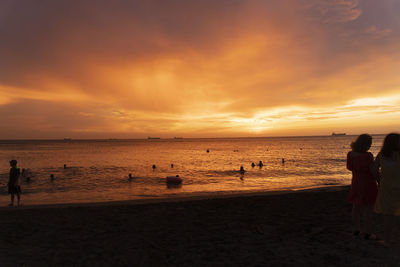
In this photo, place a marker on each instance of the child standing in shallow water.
(13, 182)
(364, 189)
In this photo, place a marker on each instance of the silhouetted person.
(242, 171)
(283, 160)
(208, 151)
(363, 189)
(130, 177)
(154, 166)
(253, 164)
(172, 165)
(52, 177)
(260, 164)
(25, 175)
(387, 171)
(13, 182)
(65, 166)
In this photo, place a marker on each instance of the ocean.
(97, 170)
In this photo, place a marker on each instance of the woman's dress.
(363, 184)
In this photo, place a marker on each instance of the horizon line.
(180, 138)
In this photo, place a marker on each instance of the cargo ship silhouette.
(338, 134)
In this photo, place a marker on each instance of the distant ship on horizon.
(149, 137)
(338, 134)
(178, 137)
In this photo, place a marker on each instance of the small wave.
(334, 160)
(218, 173)
(147, 195)
(331, 183)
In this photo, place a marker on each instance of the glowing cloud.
(96, 69)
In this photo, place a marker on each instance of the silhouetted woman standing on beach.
(387, 166)
(364, 189)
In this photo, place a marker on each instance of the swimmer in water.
(253, 164)
(242, 171)
(130, 177)
(25, 175)
(154, 166)
(260, 164)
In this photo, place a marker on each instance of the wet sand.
(305, 228)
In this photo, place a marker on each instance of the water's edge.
(178, 198)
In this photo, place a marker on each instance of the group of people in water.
(375, 185)
(260, 164)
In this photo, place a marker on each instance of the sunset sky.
(198, 68)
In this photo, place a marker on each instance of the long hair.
(362, 143)
(391, 144)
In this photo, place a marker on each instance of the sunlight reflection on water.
(98, 170)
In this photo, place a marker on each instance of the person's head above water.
(13, 162)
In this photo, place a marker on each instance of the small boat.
(174, 179)
(338, 134)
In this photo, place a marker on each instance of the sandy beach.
(304, 228)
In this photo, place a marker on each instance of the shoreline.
(184, 198)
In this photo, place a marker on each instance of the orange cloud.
(198, 68)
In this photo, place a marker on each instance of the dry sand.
(308, 228)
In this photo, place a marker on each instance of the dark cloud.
(63, 39)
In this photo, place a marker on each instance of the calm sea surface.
(97, 170)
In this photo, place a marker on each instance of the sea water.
(97, 170)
